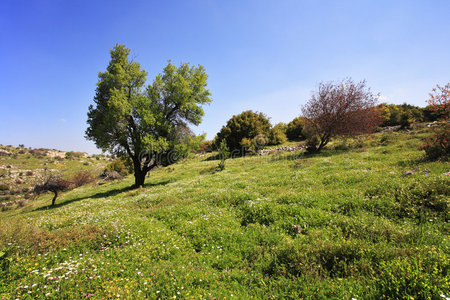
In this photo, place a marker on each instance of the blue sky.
(262, 55)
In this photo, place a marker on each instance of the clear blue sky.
(262, 55)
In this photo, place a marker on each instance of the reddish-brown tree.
(440, 100)
(437, 144)
(344, 108)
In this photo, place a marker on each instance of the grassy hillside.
(343, 224)
(22, 168)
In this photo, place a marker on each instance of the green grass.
(362, 230)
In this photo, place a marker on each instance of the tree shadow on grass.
(212, 157)
(106, 194)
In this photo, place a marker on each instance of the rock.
(110, 175)
(4, 153)
(297, 228)
(279, 149)
(407, 173)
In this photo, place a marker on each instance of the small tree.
(437, 145)
(345, 108)
(294, 130)
(53, 184)
(224, 153)
(440, 100)
(277, 134)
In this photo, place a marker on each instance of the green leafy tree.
(244, 129)
(146, 123)
(294, 129)
(277, 134)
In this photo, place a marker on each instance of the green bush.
(122, 165)
(437, 145)
(73, 155)
(247, 125)
(423, 199)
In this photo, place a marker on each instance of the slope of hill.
(365, 219)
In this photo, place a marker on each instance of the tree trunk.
(54, 198)
(139, 173)
(139, 179)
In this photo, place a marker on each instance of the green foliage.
(294, 129)
(277, 134)
(145, 123)
(245, 129)
(192, 144)
(224, 153)
(122, 165)
(207, 146)
(420, 277)
(423, 199)
(404, 114)
(73, 155)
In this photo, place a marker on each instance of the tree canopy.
(147, 123)
(344, 108)
(243, 129)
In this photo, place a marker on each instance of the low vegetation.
(366, 218)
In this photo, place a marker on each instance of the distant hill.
(21, 168)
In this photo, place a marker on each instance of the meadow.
(348, 223)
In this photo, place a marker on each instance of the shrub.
(73, 155)
(207, 146)
(4, 187)
(423, 199)
(82, 178)
(437, 145)
(121, 165)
